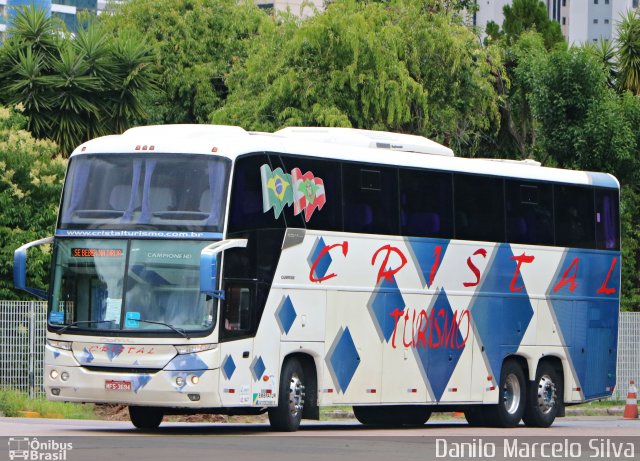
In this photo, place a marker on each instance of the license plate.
(117, 385)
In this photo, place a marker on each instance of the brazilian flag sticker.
(276, 189)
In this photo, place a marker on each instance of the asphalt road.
(585, 437)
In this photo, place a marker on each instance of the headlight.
(64, 345)
(193, 348)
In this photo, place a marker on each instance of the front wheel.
(510, 408)
(543, 397)
(287, 415)
(145, 417)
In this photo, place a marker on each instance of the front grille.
(122, 370)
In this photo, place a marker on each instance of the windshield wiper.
(81, 322)
(180, 331)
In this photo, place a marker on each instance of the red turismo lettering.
(437, 252)
(604, 289)
(523, 258)
(482, 252)
(444, 332)
(325, 250)
(566, 279)
(388, 273)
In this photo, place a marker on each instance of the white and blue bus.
(207, 269)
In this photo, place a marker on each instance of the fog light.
(194, 397)
(180, 381)
(53, 374)
(64, 375)
(55, 391)
(195, 380)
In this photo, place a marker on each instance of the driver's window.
(237, 310)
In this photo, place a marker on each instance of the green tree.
(73, 88)
(32, 177)
(196, 42)
(523, 15)
(368, 65)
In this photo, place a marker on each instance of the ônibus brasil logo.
(37, 450)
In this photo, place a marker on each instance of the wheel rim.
(546, 394)
(511, 394)
(296, 395)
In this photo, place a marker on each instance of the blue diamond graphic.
(114, 350)
(286, 315)
(343, 359)
(323, 264)
(439, 351)
(502, 338)
(383, 302)
(257, 368)
(228, 367)
(427, 255)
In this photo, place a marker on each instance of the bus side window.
(236, 315)
(574, 216)
(425, 204)
(479, 206)
(607, 220)
(529, 208)
(370, 199)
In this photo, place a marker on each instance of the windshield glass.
(161, 192)
(125, 285)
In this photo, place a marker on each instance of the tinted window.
(529, 209)
(607, 219)
(425, 204)
(370, 199)
(246, 210)
(574, 216)
(479, 208)
(326, 213)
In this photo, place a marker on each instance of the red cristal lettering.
(325, 250)
(437, 252)
(482, 252)
(523, 258)
(604, 289)
(566, 279)
(388, 273)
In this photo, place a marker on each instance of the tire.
(147, 418)
(392, 415)
(543, 396)
(475, 416)
(287, 415)
(510, 410)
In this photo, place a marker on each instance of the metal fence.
(22, 339)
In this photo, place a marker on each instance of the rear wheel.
(287, 415)
(392, 415)
(510, 408)
(543, 397)
(145, 417)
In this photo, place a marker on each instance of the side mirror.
(209, 265)
(20, 268)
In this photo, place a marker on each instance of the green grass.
(12, 402)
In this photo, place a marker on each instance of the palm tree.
(74, 88)
(629, 52)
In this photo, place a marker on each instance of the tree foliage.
(628, 52)
(196, 43)
(524, 15)
(368, 65)
(30, 184)
(73, 88)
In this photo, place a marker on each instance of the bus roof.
(375, 147)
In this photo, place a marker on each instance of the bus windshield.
(130, 285)
(151, 191)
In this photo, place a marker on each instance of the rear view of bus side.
(243, 273)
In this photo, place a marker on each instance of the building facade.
(581, 21)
